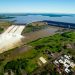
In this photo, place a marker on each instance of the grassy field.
(55, 43)
(31, 28)
(1, 30)
(4, 25)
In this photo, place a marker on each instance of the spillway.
(11, 37)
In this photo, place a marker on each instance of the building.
(42, 60)
(66, 61)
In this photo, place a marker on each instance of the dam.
(11, 38)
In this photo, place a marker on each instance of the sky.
(37, 6)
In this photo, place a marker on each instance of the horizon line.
(34, 13)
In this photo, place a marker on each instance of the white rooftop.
(66, 61)
(43, 60)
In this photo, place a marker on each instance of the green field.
(31, 28)
(55, 43)
(1, 30)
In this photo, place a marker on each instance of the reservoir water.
(28, 18)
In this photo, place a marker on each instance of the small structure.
(43, 60)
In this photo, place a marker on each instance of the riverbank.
(38, 48)
(50, 30)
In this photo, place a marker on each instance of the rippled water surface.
(23, 18)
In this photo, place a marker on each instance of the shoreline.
(40, 34)
(60, 24)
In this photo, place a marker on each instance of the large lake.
(28, 18)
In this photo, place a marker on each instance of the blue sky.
(37, 6)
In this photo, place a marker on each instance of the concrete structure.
(43, 60)
(66, 61)
(11, 37)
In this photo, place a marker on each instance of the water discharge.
(11, 37)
